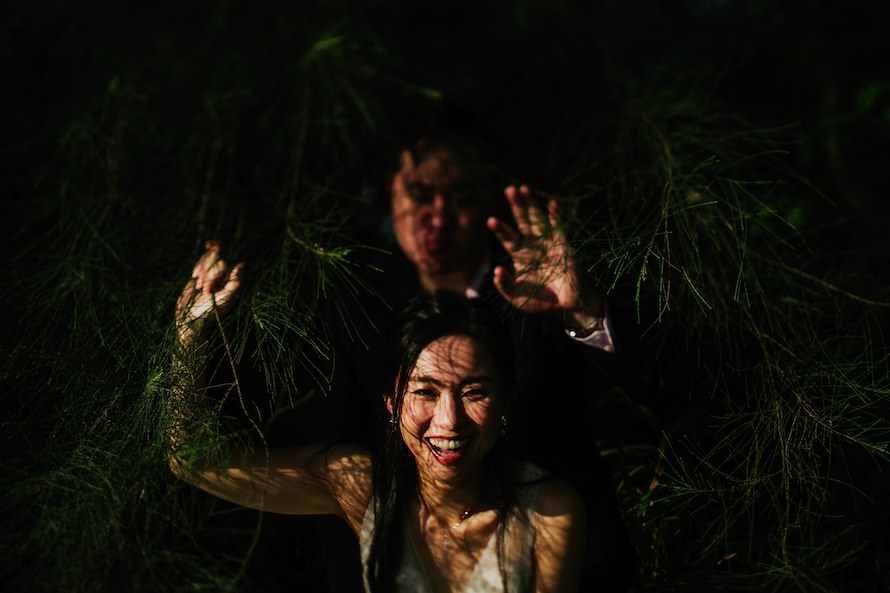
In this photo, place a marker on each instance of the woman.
(440, 505)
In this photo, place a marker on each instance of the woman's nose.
(448, 411)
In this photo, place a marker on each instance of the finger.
(519, 295)
(505, 234)
(519, 210)
(207, 261)
(555, 223)
(232, 284)
(211, 253)
(186, 300)
(503, 282)
(553, 215)
(214, 273)
(553, 211)
(189, 288)
(537, 219)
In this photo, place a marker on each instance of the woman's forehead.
(454, 357)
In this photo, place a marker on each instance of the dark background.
(745, 143)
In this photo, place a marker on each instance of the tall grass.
(145, 132)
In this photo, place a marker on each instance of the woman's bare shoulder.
(557, 498)
(560, 516)
(349, 474)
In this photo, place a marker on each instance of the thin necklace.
(465, 514)
(449, 529)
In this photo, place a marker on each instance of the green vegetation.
(722, 160)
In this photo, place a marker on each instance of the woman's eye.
(424, 392)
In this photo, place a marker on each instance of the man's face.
(439, 219)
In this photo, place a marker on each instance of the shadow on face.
(451, 407)
(439, 211)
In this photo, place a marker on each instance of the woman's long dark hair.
(424, 320)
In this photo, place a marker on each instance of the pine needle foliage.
(749, 256)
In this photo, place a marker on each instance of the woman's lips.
(447, 450)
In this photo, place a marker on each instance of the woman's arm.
(305, 480)
(560, 538)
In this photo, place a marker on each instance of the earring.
(503, 425)
(392, 419)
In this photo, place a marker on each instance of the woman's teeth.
(447, 444)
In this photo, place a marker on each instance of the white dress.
(519, 541)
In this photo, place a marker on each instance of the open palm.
(545, 277)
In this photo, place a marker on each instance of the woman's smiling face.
(450, 414)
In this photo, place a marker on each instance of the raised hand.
(211, 288)
(545, 277)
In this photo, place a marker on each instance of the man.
(441, 209)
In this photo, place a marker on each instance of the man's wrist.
(586, 317)
(587, 323)
(580, 324)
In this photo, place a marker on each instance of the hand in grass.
(209, 292)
